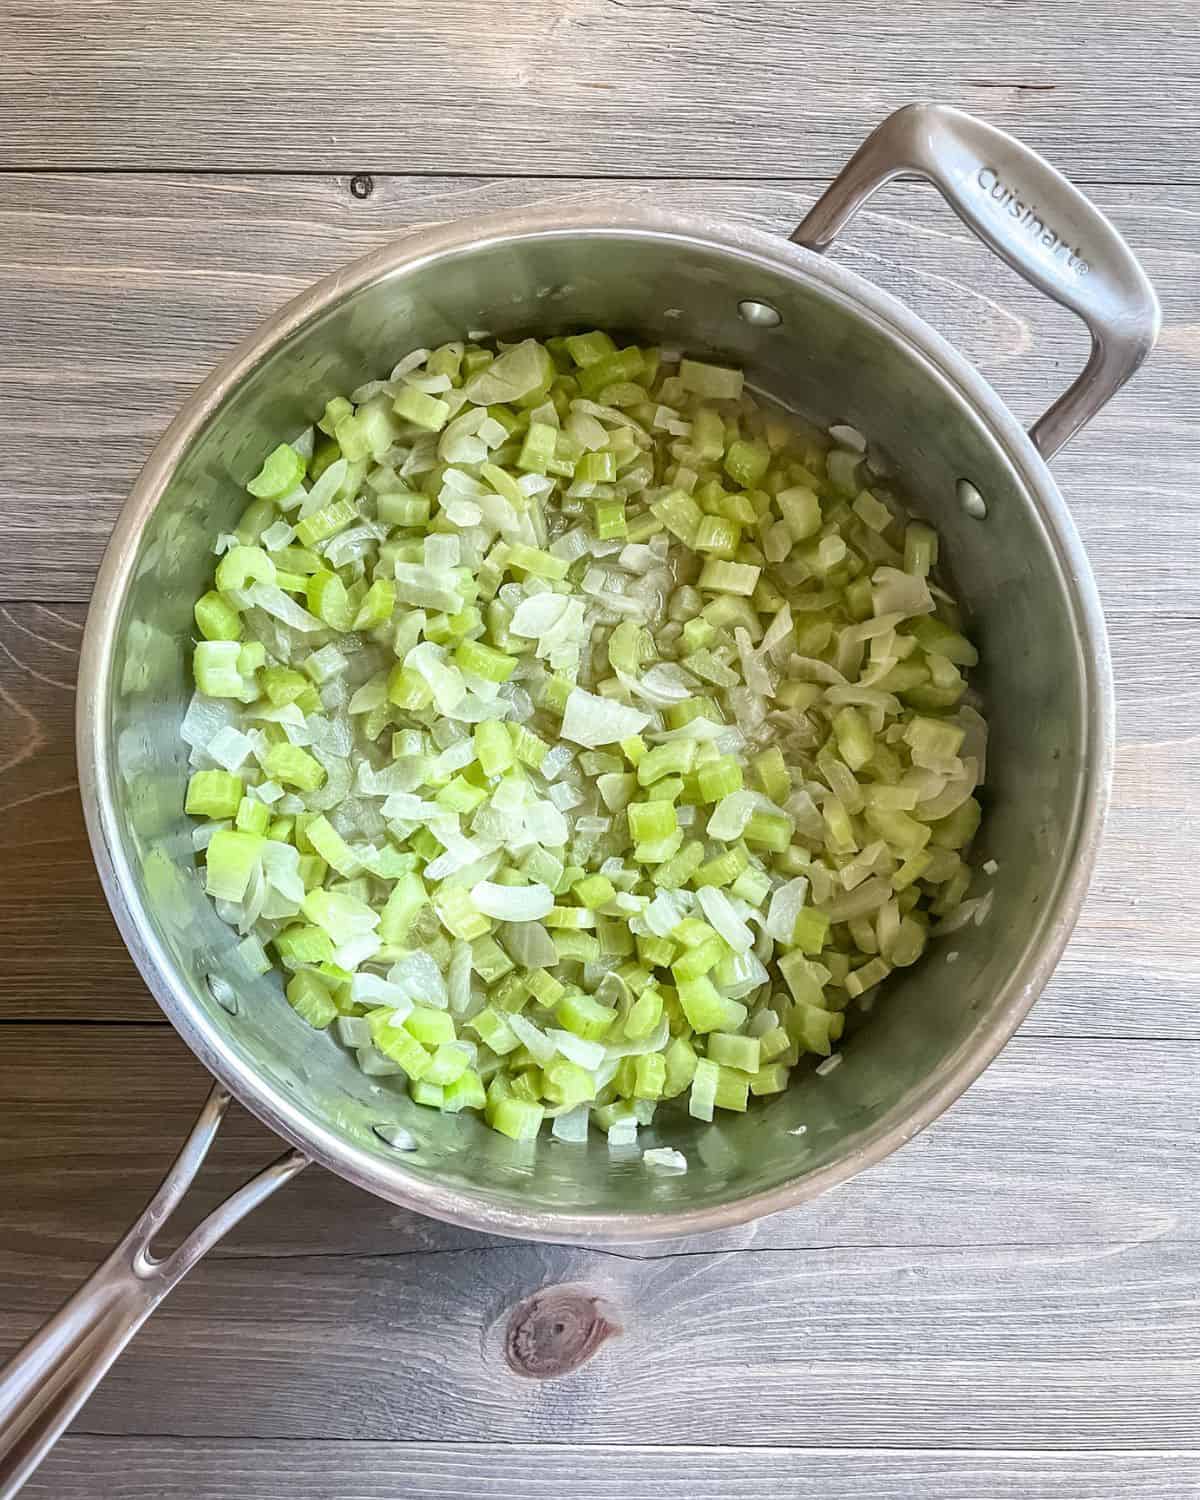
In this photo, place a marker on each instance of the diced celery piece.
(747, 462)
(771, 1078)
(310, 999)
(304, 945)
(493, 747)
(494, 1031)
(733, 1089)
(675, 759)
(856, 744)
(230, 861)
(518, 1119)
(644, 1014)
(406, 900)
(566, 1083)
(329, 600)
(459, 914)
(589, 348)
(649, 821)
(722, 869)
(215, 667)
(703, 1004)
(216, 618)
(811, 931)
(705, 1081)
(215, 794)
(594, 891)
(583, 1016)
(322, 524)
(810, 1027)
(282, 471)
(332, 848)
(377, 605)
(421, 410)
(484, 661)
(292, 766)
(251, 816)
(734, 1051)
(718, 778)
(431, 1027)
(398, 1043)
(464, 1092)
(728, 577)
(711, 382)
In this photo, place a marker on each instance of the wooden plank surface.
(989, 1347)
(1005, 1308)
(608, 87)
(231, 1469)
(122, 292)
(1060, 1140)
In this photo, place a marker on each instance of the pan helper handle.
(1033, 218)
(45, 1384)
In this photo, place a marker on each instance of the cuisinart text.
(1030, 220)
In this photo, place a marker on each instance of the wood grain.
(1091, 1142)
(596, 86)
(977, 1347)
(122, 291)
(66, 960)
(66, 957)
(229, 1469)
(1006, 1308)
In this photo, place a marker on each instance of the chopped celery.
(421, 410)
(294, 767)
(214, 794)
(282, 470)
(518, 1119)
(215, 667)
(217, 619)
(711, 382)
(310, 999)
(230, 860)
(734, 1051)
(564, 667)
(322, 524)
(728, 577)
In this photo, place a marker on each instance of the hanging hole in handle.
(971, 501)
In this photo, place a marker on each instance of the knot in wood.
(555, 1331)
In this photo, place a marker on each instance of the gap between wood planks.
(802, 179)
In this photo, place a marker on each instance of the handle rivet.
(759, 314)
(396, 1136)
(223, 993)
(972, 502)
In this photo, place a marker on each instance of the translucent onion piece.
(512, 903)
(592, 721)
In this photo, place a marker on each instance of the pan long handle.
(47, 1381)
(1033, 218)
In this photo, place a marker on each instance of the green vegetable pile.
(578, 733)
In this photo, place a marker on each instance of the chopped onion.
(569, 767)
(512, 903)
(787, 901)
(592, 721)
